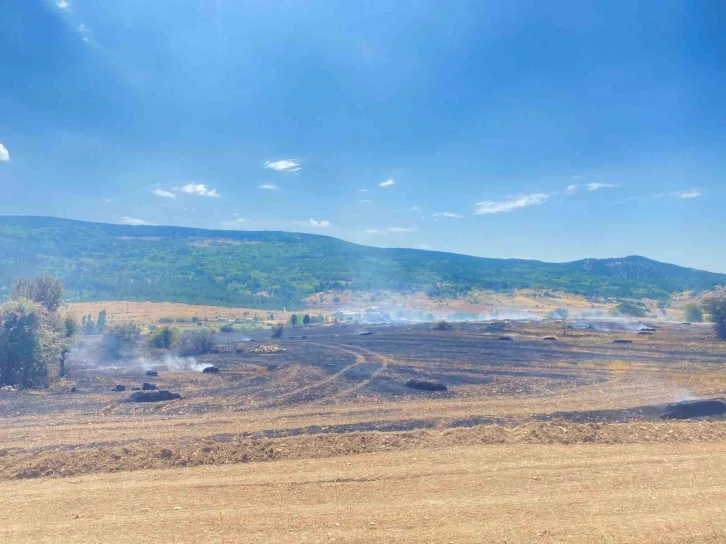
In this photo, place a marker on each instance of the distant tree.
(632, 309)
(693, 313)
(293, 320)
(227, 328)
(69, 330)
(89, 326)
(21, 343)
(277, 330)
(715, 307)
(101, 322)
(163, 337)
(45, 290)
(197, 342)
(564, 316)
(306, 319)
(120, 339)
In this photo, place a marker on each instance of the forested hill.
(100, 261)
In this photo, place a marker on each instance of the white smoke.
(172, 363)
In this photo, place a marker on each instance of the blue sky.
(546, 130)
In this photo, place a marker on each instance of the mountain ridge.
(271, 269)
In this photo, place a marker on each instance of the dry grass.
(595, 493)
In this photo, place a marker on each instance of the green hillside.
(100, 261)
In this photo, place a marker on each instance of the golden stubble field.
(535, 441)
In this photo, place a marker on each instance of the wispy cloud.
(200, 189)
(387, 183)
(235, 223)
(313, 223)
(164, 194)
(62, 4)
(415, 209)
(268, 187)
(598, 186)
(364, 201)
(692, 193)
(450, 215)
(4, 154)
(391, 230)
(362, 190)
(425, 246)
(83, 29)
(571, 189)
(489, 207)
(107, 200)
(284, 165)
(125, 220)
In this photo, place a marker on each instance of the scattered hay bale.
(694, 408)
(266, 348)
(119, 388)
(148, 386)
(153, 396)
(549, 338)
(365, 333)
(135, 389)
(505, 338)
(211, 369)
(425, 385)
(644, 333)
(685, 323)
(622, 341)
(647, 329)
(152, 373)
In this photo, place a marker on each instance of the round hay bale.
(211, 369)
(425, 385)
(119, 388)
(622, 341)
(153, 396)
(694, 408)
(152, 373)
(148, 386)
(505, 338)
(549, 338)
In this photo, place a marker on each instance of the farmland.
(321, 440)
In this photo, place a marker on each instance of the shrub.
(693, 313)
(277, 330)
(163, 337)
(632, 309)
(715, 307)
(226, 328)
(443, 326)
(166, 320)
(196, 343)
(120, 339)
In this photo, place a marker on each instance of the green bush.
(443, 326)
(227, 328)
(632, 309)
(166, 320)
(715, 307)
(277, 330)
(196, 342)
(693, 313)
(120, 339)
(163, 337)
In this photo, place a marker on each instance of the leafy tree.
(163, 337)
(306, 319)
(120, 339)
(293, 320)
(69, 330)
(22, 344)
(277, 330)
(45, 290)
(715, 307)
(632, 309)
(693, 313)
(89, 326)
(196, 342)
(563, 314)
(101, 322)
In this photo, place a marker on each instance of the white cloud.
(62, 4)
(313, 223)
(598, 186)
(364, 201)
(488, 207)
(387, 183)
(390, 230)
(693, 193)
(415, 209)
(425, 246)
(362, 190)
(235, 223)
(268, 187)
(4, 154)
(284, 165)
(133, 221)
(164, 194)
(199, 189)
(571, 189)
(107, 200)
(450, 215)
(82, 28)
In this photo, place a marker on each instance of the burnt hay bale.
(425, 385)
(622, 341)
(211, 369)
(694, 408)
(148, 386)
(505, 338)
(549, 338)
(153, 396)
(152, 373)
(119, 388)
(644, 333)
